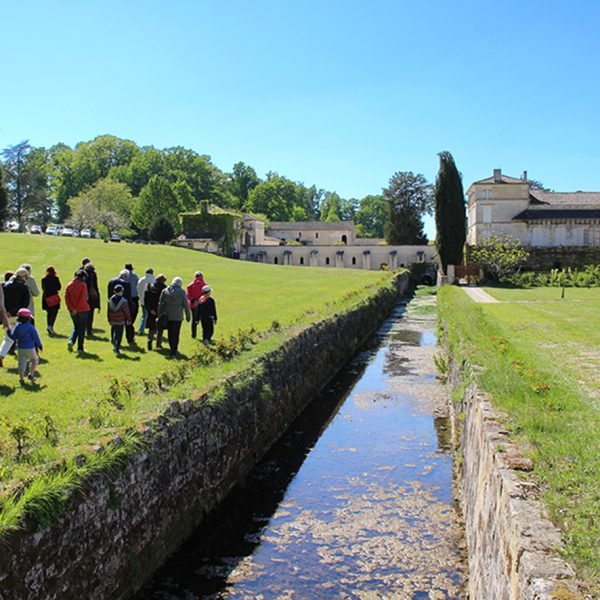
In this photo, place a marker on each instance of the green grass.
(541, 358)
(71, 409)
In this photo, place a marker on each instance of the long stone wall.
(513, 548)
(120, 528)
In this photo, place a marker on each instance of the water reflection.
(356, 500)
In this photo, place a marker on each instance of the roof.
(503, 179)
(312, 225)
(570, 199)
(546, 213)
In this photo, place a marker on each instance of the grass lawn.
(541, 362)
(80, 401)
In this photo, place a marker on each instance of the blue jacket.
(26, 336)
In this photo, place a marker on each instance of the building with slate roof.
(537, 218)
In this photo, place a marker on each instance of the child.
(28, 342)
(207, 312)
(118, 316)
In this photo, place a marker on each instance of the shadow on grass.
(6, 390)
(122, 356)
(59, 336)
(88, 356)
(134, 348)
(33, 386)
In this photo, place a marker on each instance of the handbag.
(52, 301)
(162, 321)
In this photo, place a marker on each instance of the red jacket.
(76, 296)
(194, 291)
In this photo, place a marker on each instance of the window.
(587, 237)
(354, 260)
(486, 194)
(487, 214)
(317, 235)
(344, 239)
(275, 261)
(327, 260)
(302, 260)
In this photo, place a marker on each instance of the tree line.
(112, 184)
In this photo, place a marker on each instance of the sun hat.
(177, 282)
(24, 312)
(118, 288)
(206, 289)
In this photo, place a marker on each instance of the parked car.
(35, 229)
(86, 233)
(13, 226)
(115, 237)
(52, 230)
(67, 231)
(75, 232)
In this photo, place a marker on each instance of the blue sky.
(340, 94)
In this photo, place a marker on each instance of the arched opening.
(344, 239)
(275, 261)
(302, 260)
(327, 260)
(354, 260)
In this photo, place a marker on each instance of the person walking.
(193, 293)
(29, 344)
(123, 279)
(91, 281)
(16, 296)
(134, 299)
(50, 297)
(79, 308)
(207, 312)
(34, 290)
(142, 286)
(118, 317)
(173, 302)
(151, 299)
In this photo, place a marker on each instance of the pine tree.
(450, 213)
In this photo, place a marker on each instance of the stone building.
(536, 217)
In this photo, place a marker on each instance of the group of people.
(163, 309)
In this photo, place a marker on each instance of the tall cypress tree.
(3, 200)
(450, 213)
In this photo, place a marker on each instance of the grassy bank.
(540, 361)
(80, 402)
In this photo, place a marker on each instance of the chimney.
(497, 175)
(524, 176)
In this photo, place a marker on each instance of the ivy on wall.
(221, 227)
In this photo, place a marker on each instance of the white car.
(52, 230)
(86, 233)
(36, 229)
(67, 231)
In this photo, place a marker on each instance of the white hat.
(206, 289)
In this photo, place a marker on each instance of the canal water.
(355, 501)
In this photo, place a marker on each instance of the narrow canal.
(354, 502)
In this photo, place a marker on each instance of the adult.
(50, 298)
(3, 313)
(79, 308)
(134, 300)
(91, 281)
(118, 317)
(34, 290)
(193, 293)
(16, 296)
(151, 299)
(123, 279)
(173, 302)
(142, 286)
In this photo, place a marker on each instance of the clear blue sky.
(340, 94)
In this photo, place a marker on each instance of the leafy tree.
(408, 197)
(108, 203)
(63, 180)
(331, 207)
(157, 199)
(26, 180)
(500, 255)
(137, 173)
(274, 198)
(370, 217)
(162, 230)
(242, 180)
(450, 213)
(3, 200)
(349, 208)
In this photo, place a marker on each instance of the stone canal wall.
(513, 548)
(119, 528)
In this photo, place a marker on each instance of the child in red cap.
(28, 343)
